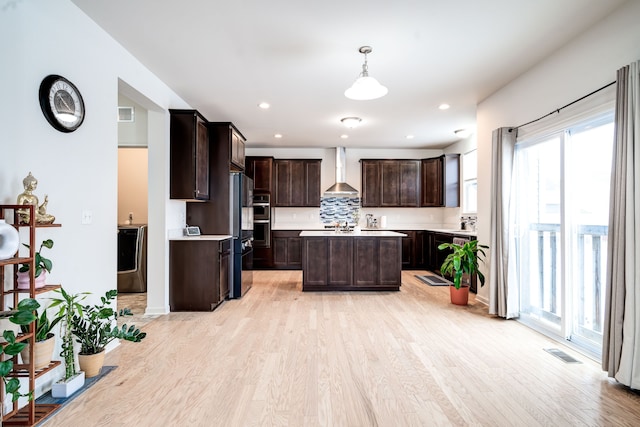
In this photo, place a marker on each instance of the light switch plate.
(87, 217)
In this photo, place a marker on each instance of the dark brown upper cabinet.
(260, 169)
(441, 181)
(390, 183)
(296, 182)
(189, 156)
(213, 217)
(231, 142)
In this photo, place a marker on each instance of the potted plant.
(22, 315)
(44, 341)
(462, 263)
(95, 327)
(42, 265)
(69, 307)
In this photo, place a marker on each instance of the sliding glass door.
(560, 218)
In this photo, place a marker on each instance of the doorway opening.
(133, 172)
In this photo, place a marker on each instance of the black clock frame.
(43, 95)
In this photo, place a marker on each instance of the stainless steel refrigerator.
(242, 231)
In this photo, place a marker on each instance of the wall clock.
(61, 103)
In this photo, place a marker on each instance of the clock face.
(61, 103)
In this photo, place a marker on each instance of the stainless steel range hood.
(341, 188)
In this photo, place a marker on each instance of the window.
(470, 182)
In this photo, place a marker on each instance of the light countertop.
(202, 237)
(363, 233)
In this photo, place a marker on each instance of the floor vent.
(561, 355)
(433, 280)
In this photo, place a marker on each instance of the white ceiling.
(224, 58)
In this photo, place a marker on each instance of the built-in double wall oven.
(261, 220)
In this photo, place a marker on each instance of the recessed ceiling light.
(351, 122)
(344, 136)
(462, 133)
(277, 135)
(409, 136)
(264, 105)
(444, 106)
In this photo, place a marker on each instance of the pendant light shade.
(365, 87)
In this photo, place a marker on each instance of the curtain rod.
(563, 107)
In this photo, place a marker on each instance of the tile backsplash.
(339, 209)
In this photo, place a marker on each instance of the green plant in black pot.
(22, 315)
(463, 260)
(41, 262)
(96, 326)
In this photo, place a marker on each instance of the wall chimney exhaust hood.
(341, 188)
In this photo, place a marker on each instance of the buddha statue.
(28, 198)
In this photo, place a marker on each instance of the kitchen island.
(350, 261)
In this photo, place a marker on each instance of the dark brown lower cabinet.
(198, 274)
(351, 263)
(377, 259)
(287, 249)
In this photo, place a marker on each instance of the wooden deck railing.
(589, 273)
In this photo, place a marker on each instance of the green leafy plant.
(69, 306)
(41, 262)
(463, 260)
(95, 326)
(22, 315)
(43, 326)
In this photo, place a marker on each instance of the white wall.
(587, 63)
(79, 170)
(135, 133)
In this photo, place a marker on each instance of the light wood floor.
(282, 357)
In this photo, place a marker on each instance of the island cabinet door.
(314, 260)
(366, 252)
(389, 258)
(340, 264)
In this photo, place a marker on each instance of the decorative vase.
(23, 280)
(63, 389)
(9, 240)
(91, 364)
(459, 296)
(42, 352)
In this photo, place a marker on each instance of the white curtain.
(621, 340)
(503, 292)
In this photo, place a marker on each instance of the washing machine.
(132, 258)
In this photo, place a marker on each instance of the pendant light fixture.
(365, 87)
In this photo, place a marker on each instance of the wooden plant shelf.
(42, 290)
(22, 417)
(22, 371)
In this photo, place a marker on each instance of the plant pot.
(42, 352)
(459, 296)
(91, 364)
(23, 280)
(66, 388)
